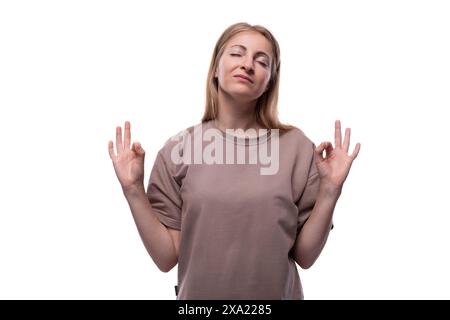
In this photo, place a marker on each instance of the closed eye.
(239, 55)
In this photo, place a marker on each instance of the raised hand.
(129, 162)
(335, 166)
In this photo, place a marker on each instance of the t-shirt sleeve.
(308, 198)
(163, 191)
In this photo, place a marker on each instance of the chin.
(243, 96)
(243, 93)
(240, 92)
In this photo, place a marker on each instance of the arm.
(128, 164)
(314, 234)
(333, 170)
(158, 240)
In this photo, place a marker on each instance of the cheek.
(224, 70)
(228, 64)
(266, 78)
(221, 69)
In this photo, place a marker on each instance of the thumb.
(319, 150)
(327, 146)
(138, 149)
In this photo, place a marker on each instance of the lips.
(244, 77)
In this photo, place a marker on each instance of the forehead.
(252, 41)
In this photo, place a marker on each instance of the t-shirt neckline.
(262, 137)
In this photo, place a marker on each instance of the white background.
(71, 71)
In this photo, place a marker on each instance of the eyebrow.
(244, 48)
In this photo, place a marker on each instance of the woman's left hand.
(334, 168)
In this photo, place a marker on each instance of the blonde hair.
(266, 106)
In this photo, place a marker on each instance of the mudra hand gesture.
(335, 166)
(129, 161)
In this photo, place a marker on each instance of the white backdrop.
(70, 71)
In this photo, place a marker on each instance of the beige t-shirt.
(237, 225)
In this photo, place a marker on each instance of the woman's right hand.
(129, 162)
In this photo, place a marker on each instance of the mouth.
(247, 79)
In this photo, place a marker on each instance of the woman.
(234, 229)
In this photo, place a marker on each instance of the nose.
(247, 64)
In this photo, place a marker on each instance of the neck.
(236, 114)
